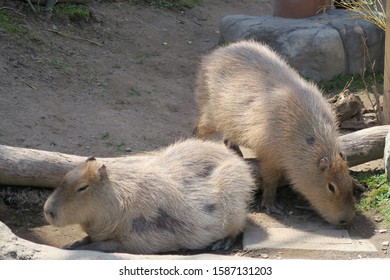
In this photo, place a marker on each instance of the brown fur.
(247, 93)
(185, 196)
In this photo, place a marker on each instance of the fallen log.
(28, 167)
(364, 145)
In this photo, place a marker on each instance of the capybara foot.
(272, 207)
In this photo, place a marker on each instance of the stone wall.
(319, 47)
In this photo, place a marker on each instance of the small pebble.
(264, 256)
(381, 230)
(128, 150)
(378, 219)
(385, 243)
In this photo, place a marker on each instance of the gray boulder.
(319, 47)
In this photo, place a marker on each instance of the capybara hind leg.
(204, 129)
(270, 185)
(233, 147)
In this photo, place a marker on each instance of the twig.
(74, 37)
(31, 86)
(377, 104)
(13, 10)
(304, 207)
(378, 108)
(31, 6)
(358, 186)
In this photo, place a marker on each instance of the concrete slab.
(313, 237)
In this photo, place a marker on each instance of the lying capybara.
(247, 93)
(187, 196)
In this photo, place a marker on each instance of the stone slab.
(312, 237)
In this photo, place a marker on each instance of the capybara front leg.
(108, 246)
(76, 244)
(270, 186)
(203, 128)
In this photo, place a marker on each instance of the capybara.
(250, 96)
(187, 196)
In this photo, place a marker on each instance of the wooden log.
(28, 167)
(364, 145)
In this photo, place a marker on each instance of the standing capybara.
(249, 95)
(187, 196)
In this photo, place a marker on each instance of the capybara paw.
(77, 244)
(72, 246)
(272, 207)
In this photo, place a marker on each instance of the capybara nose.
(343, 222)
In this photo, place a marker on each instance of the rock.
(15, 248)
(319, 47)
(264, 256)
(317, 52)
(346, 105)
(378, 219)
(360, 121)
(385, 243)
(386, 156)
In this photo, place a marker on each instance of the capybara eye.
(83, 188)
(331, 187)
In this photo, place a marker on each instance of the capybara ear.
(324, 163)
(102, 171)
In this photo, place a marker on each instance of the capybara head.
(74, 201)
(331, 192)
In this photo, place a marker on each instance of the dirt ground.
(133, 91)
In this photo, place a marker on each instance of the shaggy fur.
(247, 93)
(185, 196)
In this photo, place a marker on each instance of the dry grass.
(371, 10)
